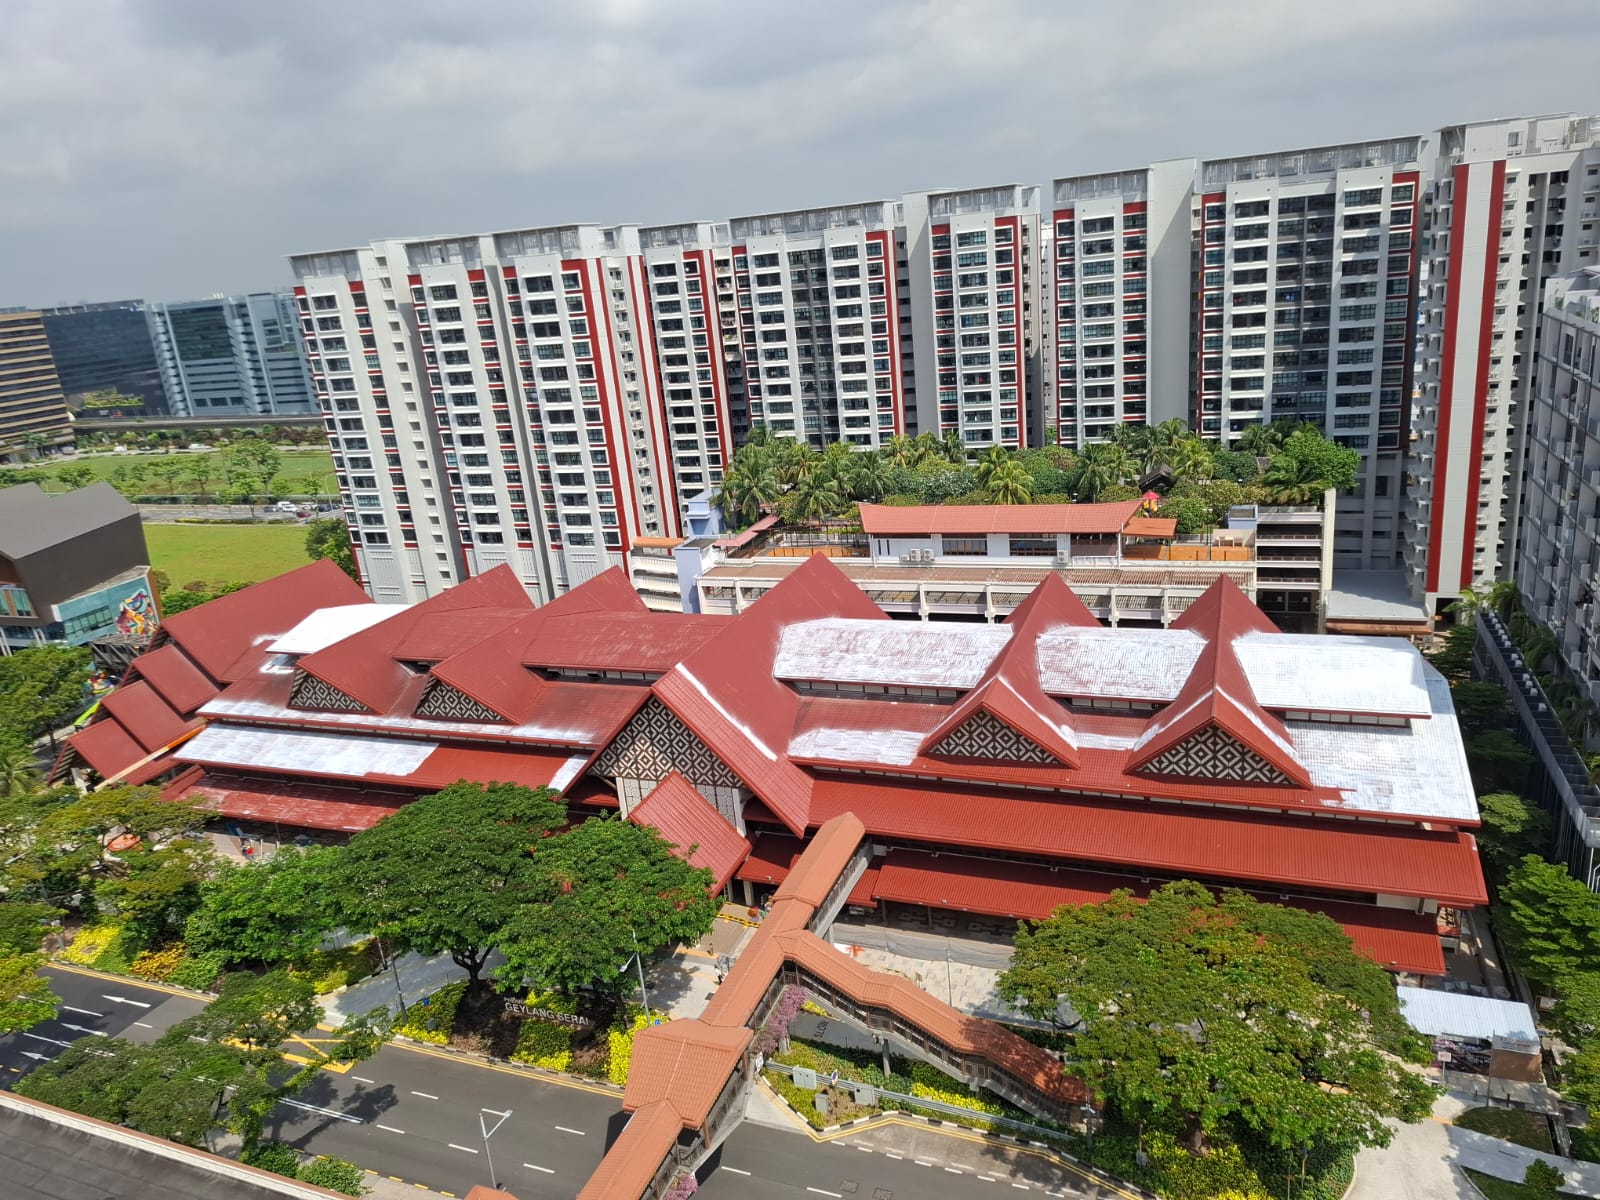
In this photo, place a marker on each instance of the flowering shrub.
(158, 964)
(815, 1009)
(771, 1034)
(957, 1096)
(682, 1188)
(440, 1011)
(541, 1044)
(90, 943)
(620, 1045)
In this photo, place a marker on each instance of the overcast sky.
(171, 149)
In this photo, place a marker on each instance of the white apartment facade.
(1511, 204)
(1558, 563)
(232, 356)
(973, 258)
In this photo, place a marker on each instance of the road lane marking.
(83, 1029)
(144, 1024)
(536, 1167)
(41, 1038)
(468, 1149)
(125, 1000)
(953, 1170)
(1023, 1186)
(825, 1192)
(923, 1162)
(889, 1154)
(363, 1079)
(865, 1149)
(88, 1012)
(425, 1095)
(327, 1112)
(391, 1129)
(735, 1170)
(579, 1132)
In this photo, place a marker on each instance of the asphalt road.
(413, 1114)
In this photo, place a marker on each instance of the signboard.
(526, 1012)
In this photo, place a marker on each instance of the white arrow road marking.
(124, 1000)
(88, 1012)
(83, 1029)
(40, 1057)
(41, 1038)
(327, 1112)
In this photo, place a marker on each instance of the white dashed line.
(1023, 1186)
(823, 1192)
(536, 1167)
(922, 1162)
(363, 1079)
(954, 1171)
(468, 1149)
(144, 1025)
(391, 1129)
(736, 1170)
(886, 1154)
(425, 1095)
(579, 1132)
(865, 1149)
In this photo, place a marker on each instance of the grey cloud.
(178, 147)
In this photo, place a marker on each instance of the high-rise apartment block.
(1379, 290)
(33, 409)
(1558, 561)
(232, 356)
(1510, 205)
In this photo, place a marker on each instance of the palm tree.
(796, 461)
(990, 461)
(819, 495)
(1189, 458)
(1009, 483)
(1259, 440)
(1501, 598)
(1100, 466)
(953, 448)
(18, 771)
(901, 450)
(869, 477)
(750, 485)
(1292, 480)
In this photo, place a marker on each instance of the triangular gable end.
(444, 702)
(651, 746)
(984, 735)
(1212, 754)
(310, 692)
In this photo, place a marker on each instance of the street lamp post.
(638, 961)
(488, 1133)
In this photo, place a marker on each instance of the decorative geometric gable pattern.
(983, 735)
(311, 692)
(448, 703)
(655, 743)
(1213, 754)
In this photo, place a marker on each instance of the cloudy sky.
(175, 148)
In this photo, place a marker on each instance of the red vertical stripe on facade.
(610, 416)
(892, 293)
(708, 284)
(652, 367)
(1447, 357)
(1015, 225)
(1480, 390)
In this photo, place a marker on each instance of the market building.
(998, 770)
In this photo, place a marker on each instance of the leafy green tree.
(1576, 1015)
(77, 475)
(1099, 467)
(1235, 465)
(1541, 1179)
(193, 596)
(1196, 1022)
(1513, 828)
(23, 924)
(604, 889)
(1478, 705)
(1498, 761)
(1009, 483)
(252, 463)
(19, 768)
(267, 912)
(447, 872)
(1309, 464)
(25, 996)
(1549, 920)
(1192, 514)
(335, 1174)
(42, 688)
(329, 537)
(199, 473)
(1453, 659)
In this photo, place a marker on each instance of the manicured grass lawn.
(218, 554)
(1500, 1189)
(1524, 1128)
(313, 462)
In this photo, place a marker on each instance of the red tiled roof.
(1211, 842)
(685, 1063)
(634, 641)
(1217, 694)
(888, 520)
(741, 539)
(726, 694)
(827, 854)
(148, 719)
(771, 857)
(681, 815)
(227, 637)
(1151, 527)
(445, 634)
(630, 1165)
(107, 747)
(177, 680)
(1396, 938)
(1009, 690)
(303, 806)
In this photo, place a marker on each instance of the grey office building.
(233, 356)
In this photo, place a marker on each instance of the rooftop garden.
(1197, 481)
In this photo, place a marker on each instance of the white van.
(285, 506)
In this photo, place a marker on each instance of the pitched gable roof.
(1215, 728)
(148, 718)
(227, 637)
(700, 834)
(1010, 692)
(177, 680)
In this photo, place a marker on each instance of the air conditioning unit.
(927, 556)
(1063, 557)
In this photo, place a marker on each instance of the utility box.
(864, 1094)
(805, 1077)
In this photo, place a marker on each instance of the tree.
(19, 770)
(254, 461)
(447, 872)
(265, 912)
(1192, 514)
(1576, 1015)
(42, 688)
(604, 890)
(1501, 598)
(1478, 705)
(25, 996)
(198, 474)
(1099, 467)
(192, 596)
(1513, 828)
(1498, 761)
(870, 478)
(1234, 465)
(77, 475)
(1009, 483)
(1309, 464)
(990, 461)
(329, 537)
(1542, 1179)
(1453, 659)
(818, 495)
(1549, 920)
(1197, 1021)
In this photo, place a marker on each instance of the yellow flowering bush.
(158, 964)
(958, 1097)
(91, 942)
(620, 1045)
(440, 1011)
(541, 1044)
